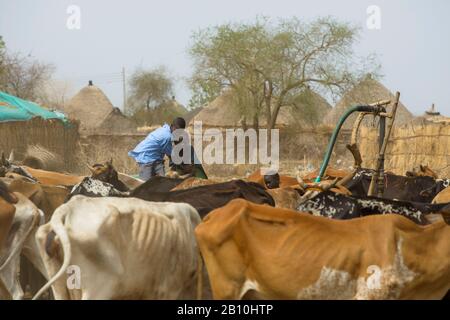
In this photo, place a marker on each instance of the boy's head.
(177, 123)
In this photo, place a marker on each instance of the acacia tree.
(149, 88)
(22, 75)
(267, 65)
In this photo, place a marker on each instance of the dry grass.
(411, 145)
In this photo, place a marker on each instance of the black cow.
(157, 184)
(416, 189)
(203, 198)
(91, 187)
(342, 207)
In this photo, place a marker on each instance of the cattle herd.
(111, 236)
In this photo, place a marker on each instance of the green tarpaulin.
(16, 109)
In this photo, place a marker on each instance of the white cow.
(120, 248)
(20, 240)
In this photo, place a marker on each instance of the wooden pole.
(378, 177)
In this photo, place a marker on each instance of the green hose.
(344, 117)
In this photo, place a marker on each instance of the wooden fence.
(410, 146)
(54, 135)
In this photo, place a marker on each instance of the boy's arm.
(168, 152)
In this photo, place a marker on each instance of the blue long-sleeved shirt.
(153, 148)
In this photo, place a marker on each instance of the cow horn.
(300, 180)
(331, 185)
(11, 156)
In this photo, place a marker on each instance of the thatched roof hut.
(366, 92)
(307, 110)
(192, 113)
(96, 113)
(116, 123)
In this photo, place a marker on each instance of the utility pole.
(124, 87)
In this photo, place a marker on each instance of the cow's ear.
(422, 168)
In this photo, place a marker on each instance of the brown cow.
(281, 254)
(330, 174)
(443, 196)
(53, 178)
(7, 211)
(286, 198)
(46, 197)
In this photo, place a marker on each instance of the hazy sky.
(413, 43)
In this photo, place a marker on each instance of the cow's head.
(107, 173)
(104, 172)
(7, 166)
(272, 181)
(422, 171)
(432, 192)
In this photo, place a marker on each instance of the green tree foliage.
(266, 65)
(149, 88)
(163, 113)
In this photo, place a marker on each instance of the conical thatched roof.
(90, 106)
(366, 92)
(116, 123)
(219, 113)
(192, 113)
(307, 110)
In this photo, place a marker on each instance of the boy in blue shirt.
(149, 153)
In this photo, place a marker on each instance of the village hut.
(96, 114)
(432, 115)
(367, 91)
(307, 110)
(116, 123)
(191, 114)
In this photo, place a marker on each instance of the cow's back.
(132, 248)
(282, 254)
(54, 178)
